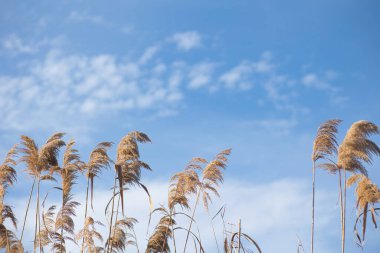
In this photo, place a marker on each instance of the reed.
(196, 185)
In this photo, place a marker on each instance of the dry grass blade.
(360, 239)
(248, 238)
(201, 249)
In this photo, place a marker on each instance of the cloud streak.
(76, 16)
(59, 86)
(187, 40)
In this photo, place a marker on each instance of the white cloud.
(79, 87)
(200, 75)
(274, 213)
(237, 76)
(149, 53)
(16, 45)
(83, 88)
(241, 77)
(264, 65)
(323, 82)
(76, 16)
(159, 68)
(187, 40)
(127, 29)
(278, 126)
(312, 80)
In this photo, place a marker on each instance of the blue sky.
(197, 77)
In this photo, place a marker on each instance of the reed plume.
(64, 224)
(88, 235)
(128, 165)
(212, 176)
(158, 242)
(324, 146)
(98, 160)
(8, 239)
(120, 237)
(127, 172)
(367, 195)
(47, 234)
(181, 185)
(355, 150)
(39, 162)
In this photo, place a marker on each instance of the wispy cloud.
(14, 44)
(323, 83)
(187, 40)
(149, 53)
(312, 80)
(200, 75)
(238, 77)
(79, 87)
(241, 76)
(127, 29)
(77, 16)
(277, 126)
(83, 88)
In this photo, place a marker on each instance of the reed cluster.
(189, 190)
(60, 162)
(352, 155)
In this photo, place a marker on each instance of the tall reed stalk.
(356, 150)
(324, 147)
